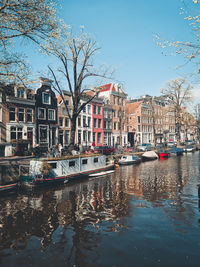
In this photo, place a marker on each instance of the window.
(84, 121)
(95, 109)
(99, 110)
(12, 114)
(60, 121)
(66, 122)
(89, 109)
(29, 115)
(72, 163)
(60, 137)
(95, 160)
(89, 121)
(95, 123)
(21, 114)
(84, 136)
(16, 133)
(13, 134)
(79, 136)
(114, 100)
(89, 136)
(41, 113)
(20, 92)
(66, 102)
(84, 109)
(84, 161)
(79, 121)
(99, 123)
(46, 98)
(51, 114)
(43, 130)
(138, 128)
(115, 126)
(94, 137)
(104, 124)
(67, 137)
(138, 119)
(99, 138)
(114, 113)
(53, 165)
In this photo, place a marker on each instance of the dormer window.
(20, 92)
(46, 98)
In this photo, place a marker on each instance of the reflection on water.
(140, 215)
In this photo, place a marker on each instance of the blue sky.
(124, 29)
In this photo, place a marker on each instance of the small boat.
(129, 159)
(50, 171)
(149, 155)
(176, 151)
(9, 188)
(101, 173)
(163, 154)
(189, 148)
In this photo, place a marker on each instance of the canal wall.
(9, 173)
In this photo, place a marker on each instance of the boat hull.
(148, 158)
(163, 155)
(128, 162)
(9, 188)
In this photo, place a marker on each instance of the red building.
(97, 122)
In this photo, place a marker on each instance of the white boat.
(149, 155)
(62, 170)
(189, 148)
(129, 159)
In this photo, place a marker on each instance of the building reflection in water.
(77, 215)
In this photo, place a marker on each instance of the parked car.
(106, 150)
(145, 147)
(171, 144)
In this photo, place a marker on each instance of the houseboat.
(44, 171)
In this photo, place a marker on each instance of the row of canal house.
(29, 118)
(101, 122)
(153, 120)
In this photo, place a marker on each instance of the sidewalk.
(15, 158)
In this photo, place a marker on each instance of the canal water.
(142, 215)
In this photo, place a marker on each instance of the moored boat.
(129, 159)
(189, 148)
(176, 151)
(149, 155)
(163, 154)
(43, 172)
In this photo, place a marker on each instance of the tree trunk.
(73, 133)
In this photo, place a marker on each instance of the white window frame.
(44, 114)
(30, 113)
(54, 114)
(20, 112)
(49, 102)
(47, 127)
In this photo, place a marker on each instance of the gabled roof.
(107, 87)
(132, 107)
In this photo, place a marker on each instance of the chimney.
(45, 81)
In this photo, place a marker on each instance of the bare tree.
(179, 93)
(75, 55)
(34, 20)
